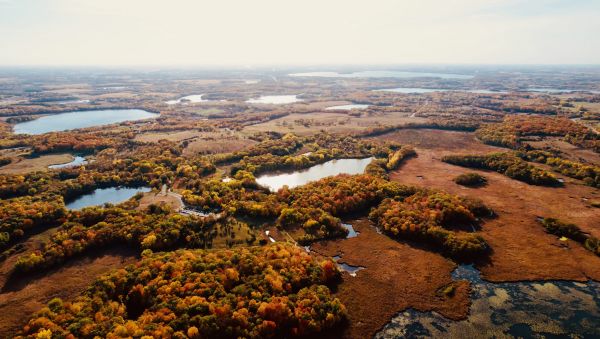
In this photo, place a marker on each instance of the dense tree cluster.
(573, 232)
(314, 207)
(509, 132)
(21, 216)
(151, 165)
(507, 164)
(276, 291)
(431, 217)
(589, 174)
(471, 180)
(397, 158)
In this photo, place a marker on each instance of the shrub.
(471, 180)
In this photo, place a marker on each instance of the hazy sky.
(258, 32)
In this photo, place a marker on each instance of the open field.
(304, 124)
(521, 248)
(22, 165)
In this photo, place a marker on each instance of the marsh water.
(382, 74)
(77, 161)
(516, 309)
(351, 232)
(80, 119)
(101, 196)
(274, 99)
(297, 178)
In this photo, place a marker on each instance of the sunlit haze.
(271, 32)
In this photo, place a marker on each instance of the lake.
(274, 99)
(382, 74)
(78, 161)
(80, 119)
(417, 90)
(517, 309)
(190, 98)
(347, 107)
(557, 90)
(297, 178)
(101, 196)
(410, 90)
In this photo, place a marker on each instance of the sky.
(307, 32)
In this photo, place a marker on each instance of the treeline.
(512, 129)
(21, 216)
(507, 164)
(276, 291)
(430, 217)
(573, 232)
(589, 174)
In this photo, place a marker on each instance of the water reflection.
(351, 232)
(101, 196)
(297, 178)
(80, 119)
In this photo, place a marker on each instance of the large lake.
(538, 309)
(101, 196)
(418, 90)
(297, 178)
(382, 74)
(80, 119)
(274, 99)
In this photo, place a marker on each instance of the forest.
(255, 292)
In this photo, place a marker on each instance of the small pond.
(351, 232)
(80, 119)
(297, 178)
(77, 161)
(101, 196)
(382, 74)
(352, 270)
(274, 99)
(519, 309)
